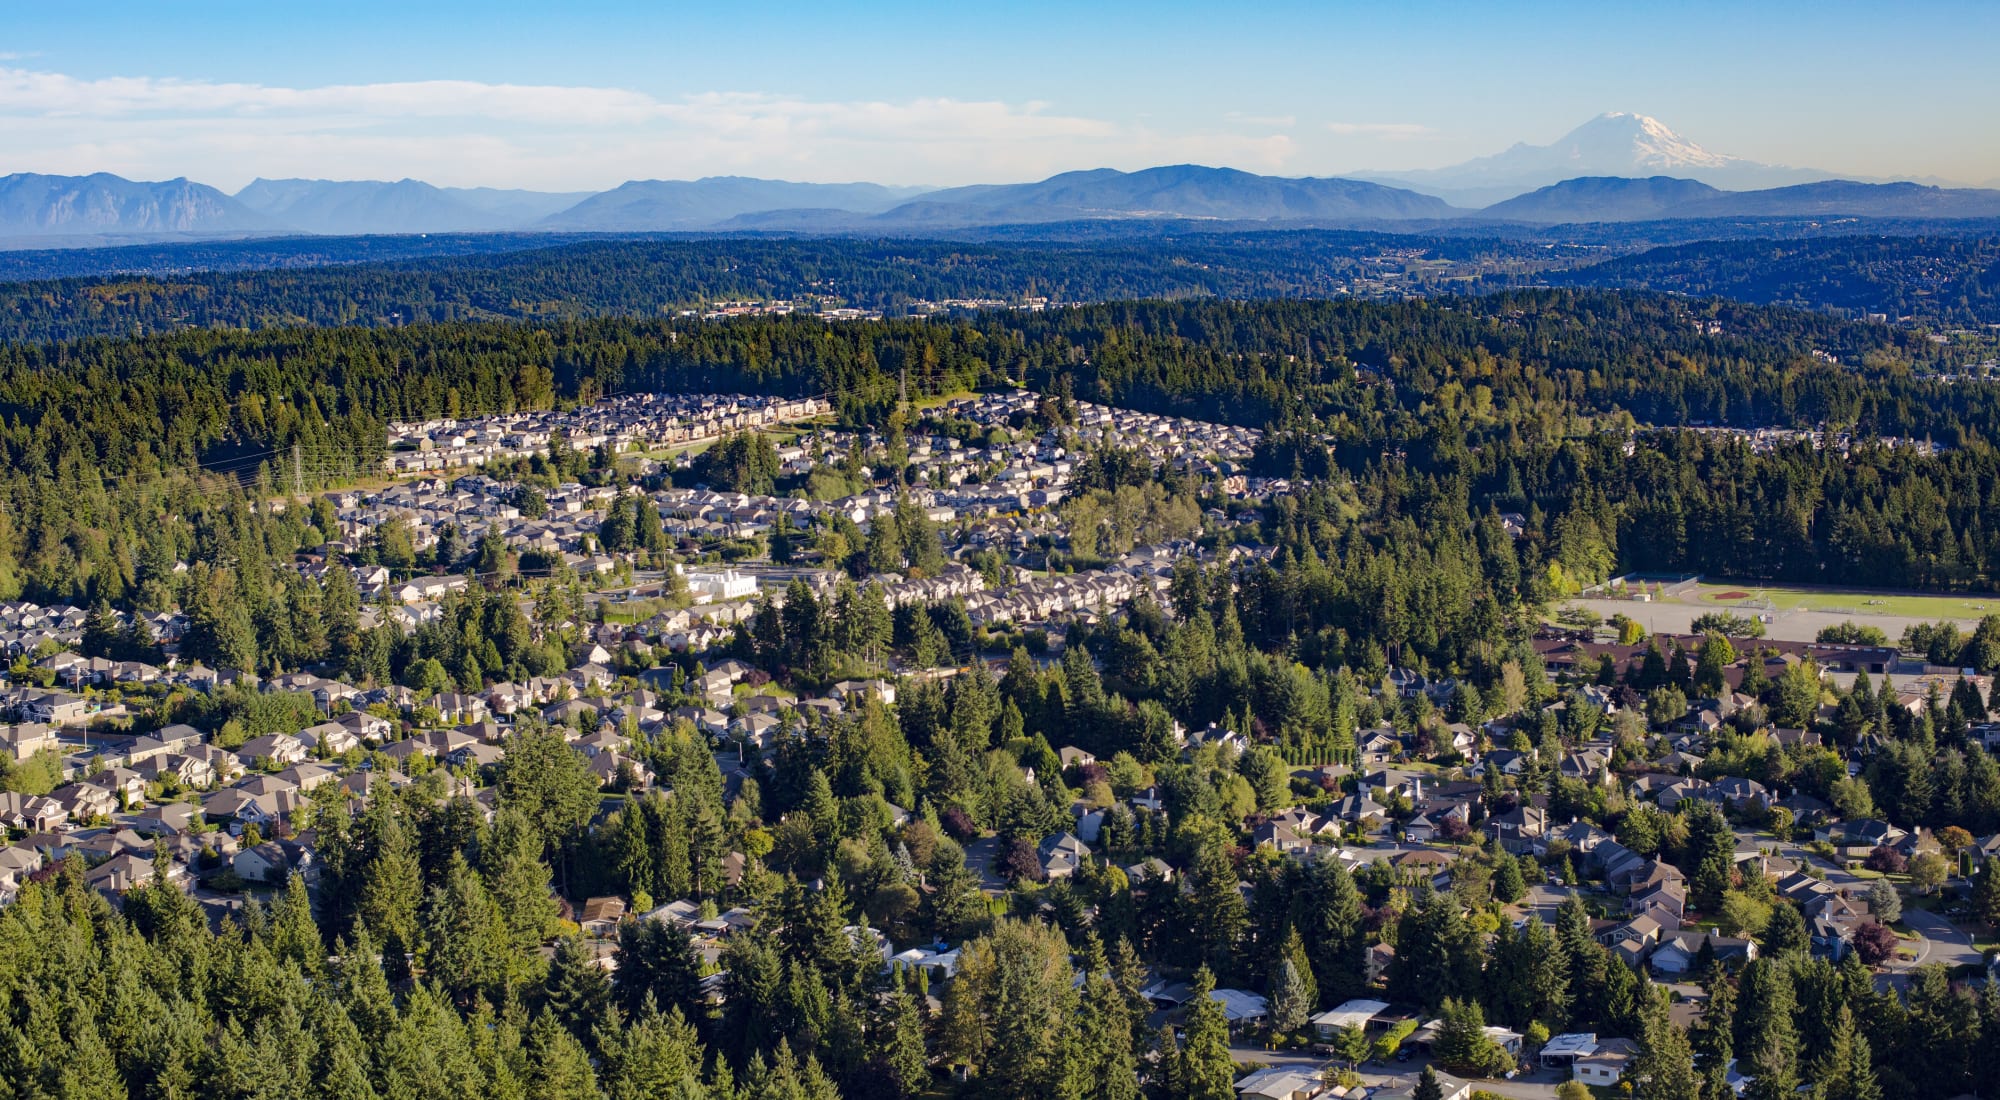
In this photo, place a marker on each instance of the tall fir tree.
(1206, 1071)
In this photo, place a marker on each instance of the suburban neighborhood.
(591, 597)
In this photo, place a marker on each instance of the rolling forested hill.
(1935, 279)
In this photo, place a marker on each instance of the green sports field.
(1831, 601)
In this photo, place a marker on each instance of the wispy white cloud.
(1276, 122)
(1394, 131)
(462, 132)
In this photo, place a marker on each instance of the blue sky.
(585, 95)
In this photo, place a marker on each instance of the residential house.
(1242, 1009)
(167, 819)
(123, 872)
(83, 802)
(1562, 1050)
(1061, 855)
(23, 741)
(1675, 958)
(31, 813)
(272, 861)
(1605, 1066)
(1361, 810)
(1073, 757)
(329, 738)
(1741, 794)
(1280, 1083)
(1281, 837)
(1380, 957)
(1520, 830)
(600, 915)
(1354, 1014)
(279, 748)
(1833, 919)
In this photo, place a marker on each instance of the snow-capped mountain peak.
(1626, 140)
(1618, 143)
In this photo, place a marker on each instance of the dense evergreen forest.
(260, 253)
(649, 278)
(1938, 280)
(1521, 401)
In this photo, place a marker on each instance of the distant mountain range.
(1183, 191)
(1615, 168)
(706, 203)
(359, 207)
(1613, 144)
(1664, 198)
(104, 205)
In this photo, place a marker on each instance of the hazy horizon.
(589, 96)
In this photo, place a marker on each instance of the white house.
(1606, 1065)
(1348, 1014)
(1280, 1083)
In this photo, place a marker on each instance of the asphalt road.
(1941, 941)
(1944, 942)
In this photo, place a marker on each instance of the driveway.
(979, 857)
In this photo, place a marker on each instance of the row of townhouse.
(26, 626)
(469, 506)
(1046, 598)
(955, 581)
(626, 422)
(1150, 432)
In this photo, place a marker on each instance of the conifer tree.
(1986, 892)
(1206, 1071)
(1462, 1045)
(518, 881)
(464, 939)
(657, 962)
(294, 936)
(1329, 920)
(391, 882)
(1508, 884)
(1786, 931)
(1846, 1070)
(577, 992)
(1289, 1004)
(558, 1064)
(1293, 949)
(1664, 1069)
(1767, 1037)
(900, 1054)
(651, 1056)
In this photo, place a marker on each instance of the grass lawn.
(669, 452)
(1835, 601)
(932, 401)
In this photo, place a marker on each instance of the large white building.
(717, 587)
